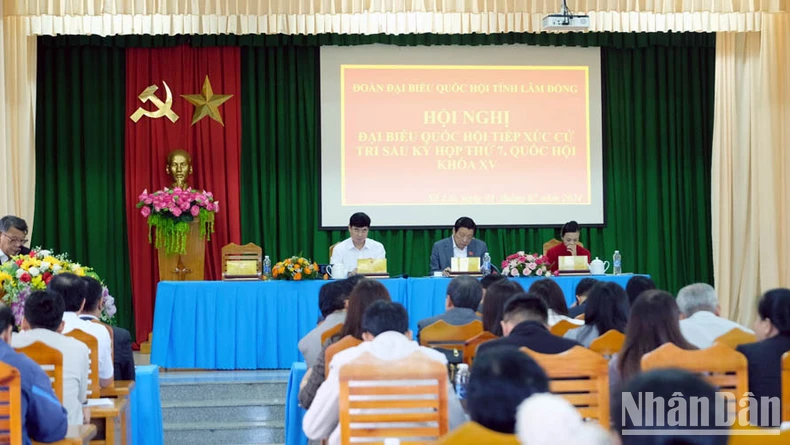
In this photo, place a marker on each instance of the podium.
(188, 266)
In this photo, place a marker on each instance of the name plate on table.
(465, 265)
(241, 269)
(573, 265)
(372, 266)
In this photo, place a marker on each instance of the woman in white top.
(606, 309)
(551, 293)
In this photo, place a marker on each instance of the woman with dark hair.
(551, 294)
(569, 234)
(772, 328)
(494, 304)
(365, 293)
(653, 321)
(606, 309)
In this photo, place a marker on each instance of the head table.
(257, 324)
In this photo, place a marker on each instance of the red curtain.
(214, 149)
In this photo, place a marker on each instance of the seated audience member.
(461, 244)
(699, 311)
(582, 290)
(486, 282)
(636, 285)
(606, 309)
(524, 324)
(463, 298)
(551, 294)
(494, 305)
(366, 292)
(772, 329)
(664, 423)
(43, 417)
(332, 301)
(73, 290)
(653, 321)
(569, 234)
(123, 357)
(13, 233)
(44, 322)
(385, 329)
(357, 245)
(500, 380)
(549, 419)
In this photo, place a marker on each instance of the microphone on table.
(403, 275)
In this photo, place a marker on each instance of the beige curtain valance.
(308, 7)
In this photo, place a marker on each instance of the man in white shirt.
(44, 322)
(73, 290)
(700, 322)
(358, 245)
(387, 336)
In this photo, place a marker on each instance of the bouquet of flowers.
(23, 274)
(522, 264)
(295, 268)
(171, 211)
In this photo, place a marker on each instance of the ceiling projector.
(566, 21)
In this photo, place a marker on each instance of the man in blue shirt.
(43, 417)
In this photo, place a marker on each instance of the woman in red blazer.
(569, 247)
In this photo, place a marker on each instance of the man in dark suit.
(525, 324)
(123, 357)
(13, 237)
(461, 244)
(463, 298)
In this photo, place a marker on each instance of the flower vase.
(188, 266)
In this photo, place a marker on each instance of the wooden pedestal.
(186, 267)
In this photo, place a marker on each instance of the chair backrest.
(580, 316)
(334, 330)
(93, 370)
(608, 344)
(331, 250)
(448, 335)
(349, 341)
(723, 367)
(470, 347)
(736, 337)
(112, 337)
(50, 360)
(562, 327)
(581, 377)
(242, 262)
(404, 399)
(751, 435)
(10, 405)
(786, 387)
(552, 243)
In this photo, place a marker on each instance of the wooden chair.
(10, 405)
(76, 435)
(608, 344)
(118, 388)
(562, 327)
(242, 263)
(349, 341)
(552, 243)
(50, 360)
(736, 337)
(470, 347)
(409, 397)
(331, 332)
(581, 377)
(331, 250)
(786, 387)
(580, 316)
(755, 438)
(722, 366)
(115, 417)
(449, 337)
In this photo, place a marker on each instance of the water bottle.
(461, 380)
(267, 267)
(617, 263)
(486, 269)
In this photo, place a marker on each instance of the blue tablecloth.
(293, 412)
(257, 325)
(146, 409)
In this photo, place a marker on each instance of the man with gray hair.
(463, 298)
(700, 322)
(13, 237)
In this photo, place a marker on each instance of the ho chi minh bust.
(179, 167)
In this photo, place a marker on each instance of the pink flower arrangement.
(521, 264)
(171, 210)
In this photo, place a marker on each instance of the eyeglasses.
(16, 240)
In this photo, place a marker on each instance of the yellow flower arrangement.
(295, 268)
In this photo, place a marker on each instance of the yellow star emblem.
(206, 103)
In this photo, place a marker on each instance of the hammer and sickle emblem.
(162, 108)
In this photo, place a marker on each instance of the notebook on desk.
(465, 266)
(573, 265)
(372, 267)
